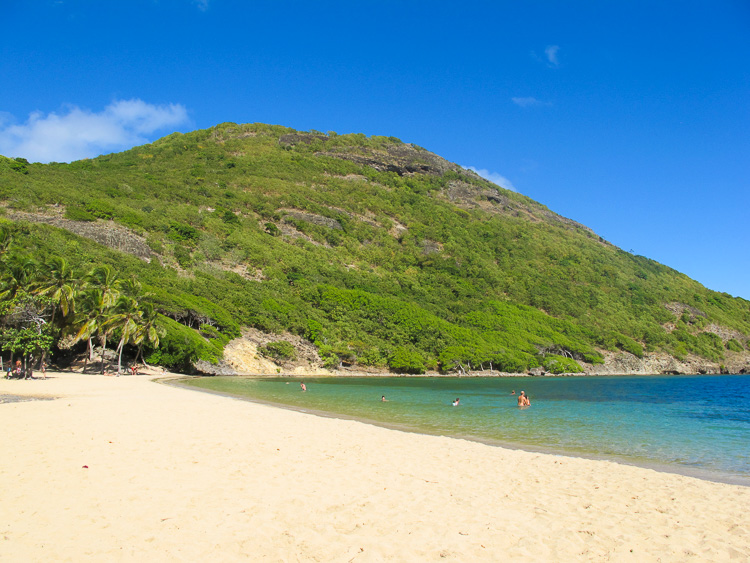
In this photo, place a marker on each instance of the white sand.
(125, 469)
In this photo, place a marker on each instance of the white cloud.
(493, 177)
(551, 52)
(529, 102)
(202, 4)
(80, 133)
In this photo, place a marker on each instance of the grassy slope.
(413, 271)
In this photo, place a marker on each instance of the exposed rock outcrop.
(311, 218)
(107, 233)
(624, 363)
(241, 357)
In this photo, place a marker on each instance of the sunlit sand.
(126, 469)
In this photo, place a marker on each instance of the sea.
(692, 425)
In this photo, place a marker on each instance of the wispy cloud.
(80, 133)
(493, 177)
(529, 102)
(551, 52)
(550, 58)
(202, 4)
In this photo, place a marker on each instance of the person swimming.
(303, 386)
(523, 400)
(455, 403)
(383, 399)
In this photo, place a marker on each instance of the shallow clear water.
(699, 425)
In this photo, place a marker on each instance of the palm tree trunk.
(41, 363)
(119, 355)
(143, 358)
(104, 348)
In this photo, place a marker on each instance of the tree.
(126, 317)
(94, 319)
(26, 329)
(18, 273)
(148, 331)
(56, 281)
(105, 279)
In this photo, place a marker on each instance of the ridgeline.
(357, 253)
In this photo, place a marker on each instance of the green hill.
(380, 253)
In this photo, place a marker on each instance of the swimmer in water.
(523, 400)
(455, 403)
(303, 386)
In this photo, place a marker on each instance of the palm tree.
(126, 317)
(148, 330)
(95, 319)
(57, 282)
(17, 276)
(130, 287)
(105, 279)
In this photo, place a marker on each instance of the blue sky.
(632, 118)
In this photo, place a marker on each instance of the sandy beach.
(127, 469)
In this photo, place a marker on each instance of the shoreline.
(696, 473)
(468, 375)
(122, 469)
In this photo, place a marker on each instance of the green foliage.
(78, 214)
(561, 364)
(279, 350)
(180, 232)
(20, 165)
(25, 329)
(181, 347)
(100, 209)
(183, 256)
(734, 346)
(406, 359)
(628, 344)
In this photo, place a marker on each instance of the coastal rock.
(207, 368)
(242, 357)
(624, 363)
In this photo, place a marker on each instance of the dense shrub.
(181, 347)
(78, 214)
(279, 350)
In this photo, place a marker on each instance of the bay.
(694, 425)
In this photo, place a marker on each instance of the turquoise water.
(697, 425)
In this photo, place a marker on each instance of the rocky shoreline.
(241, 357)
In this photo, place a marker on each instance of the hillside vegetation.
(379, 252)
